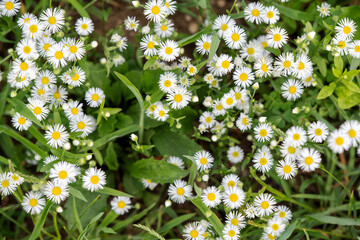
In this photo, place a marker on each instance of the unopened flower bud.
(205, 178)
(94, 44)
(13, 93)
(195, 98)
(37, 157)
(103, 61)
(67, 146)
(262, 119)
(311, 35)
(90, 143)
(255, 86)
(92, 163)
(168, 203)
(59, 209)
(76, 142)
(133, 137)
(296, 110)
(135, 3)
(145, 30)
(214, 138)
(88, 157)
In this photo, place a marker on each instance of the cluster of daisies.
(45, 67)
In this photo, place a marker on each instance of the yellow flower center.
(347, 29)
(245, 121)
(301, 66)
(94, 179)
(178, 98)
(264, 68)
(59, 55)
(155, 10)
(270, 14)
(339, 141)
(255, 12)
(219, 107)
(21, 121)
(208, 119)
(56, 191)
(194, 233)
(95, 97)
(211, 196)
(84, 26)
(352, 133)
(168, 50)
(231, 233)
(151, 45)
(121, 204)
(264, 44)
(203, 161)
(27, 49)
(56, 135)
(291, 150)
(40, 92)
(33, 28)
(234, 221)
(282, 214)
(57, 95)
(229, 101)
(163, 28)
(250, 51)
(63, 174)
(287, 64)
(275, 227)
(224, 27)
(235, 37)
(238, 96)
(15, 177)
(341, 44)
(47, 46)
(309, 160)
(225, 64)
(231, 184)
(37, 110)
(296, 136)
(263, 132)
(26, 20)
(73, 49)
(235, 154)
(161, 113)
(81, 125)
(243, 77)
(270, 236)
(318, 132)
(52, 20)
(180, 191)
(287, 169)
(5, 183)
(24, 66)
(357, 49)
(206, 45)
(264, 205)
(292, 89)
(74, 111)
(9, 5)
(263, 161)
(234, 197)
(33, 202)
(277, 37)
(75, 77)
(167, 83)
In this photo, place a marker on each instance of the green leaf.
(79, 8)
(210, 215)
(111, 157)
(98, 156)
(290, 229)
(322, 65)
(335, 220)
(129, 220)
(215, 42)
(21, 108)
(194, 37)
(193, 172)
(40, 222)
(48, 166)
(99, 116)
(113, 192)
(351, 86)
(174, 222)
(348, 101)
(295, 14)
(339, 64)
(273, 50)
(170, 143)
(77, 193)
(326, 91)
(3, 95)
(157, 171)
(111, 136)
(202, 3)
(337, 73)
(93, 221)
(149, 63)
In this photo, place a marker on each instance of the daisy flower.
(243, 77)
(94, 179)
(20, 122)
(164, 29)
(74, 76)
(56, 191)
(275, 227)
(64, 172)
(176, 161)
(43, 45)
(243, 122)
(84, 26)
(179, 191)
(264, 204)
(194, 231)
(39, 92)
(167, 82)
(230, 180)
(354, 49)
(235, 219)
(121, 43)
(224, 65)
(16, 81)
(94, 97)
(208, 119)
(277, 37)
(148, 184)
(26, 49)
(50, 159)
(318, 132)
(250, 211)
(292, 89)
(252, 51)
(34, 29)
(33, 202)
(263, 132)
(346, 28)
(25, 68)
(341, 45)
(53, 19)
(228, 100)
(57, 95)
(74, 50)
(288, 151)
(74, 109)
(233, 197)
(82, 123)
(352, 128)
(170, 7)
(235, 154)
(296, 136)
(16, 178)
(223, 23)
(56, 55)
(131, 23)
(267, 236)
(240, 96)
(191, 70)
(155, 10)
(263, 159)
(203, 160)
(211, 196)
(324, 9)
(57, 135)
(179, 97)
(231, 232)
(253, 12)
(270, 15)
(235, 37)
(203, 44)
(161, 113)
(303, 66)
(25, 18)
(309, 159)
(9, 7)
(284, 63)
(286, 169)
(148, 45)
(38, 108)
(120, 205)
(169, 50)
(282, 212)
(307, 82)
(7, 186)
(263, 67)
(339, 141)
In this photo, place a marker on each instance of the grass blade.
(40, 223)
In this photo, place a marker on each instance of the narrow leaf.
(40, 222)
